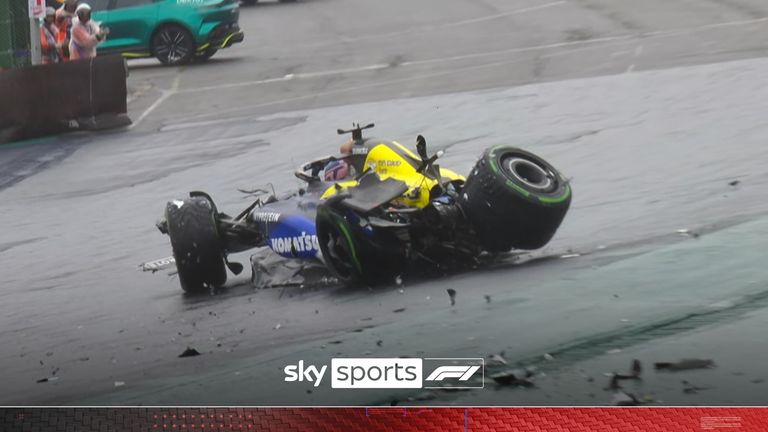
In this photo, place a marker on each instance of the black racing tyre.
(250, 2)
(196, 244)
(173, 45)
(353, 256)
(514, 199)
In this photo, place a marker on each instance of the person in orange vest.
(63, 21)
(85, 34)
(50, 49)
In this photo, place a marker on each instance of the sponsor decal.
(266, 217)
(391, 373)
(294, 236)
(36, 9)
(295, 245)
(386, 163)
(157, 265)
(359, 150)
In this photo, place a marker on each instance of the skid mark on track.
(464, 140)
(18, 163)
(10, 245)
(598, 345)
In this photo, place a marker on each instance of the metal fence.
(14, 34)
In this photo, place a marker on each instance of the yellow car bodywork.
(388, 161)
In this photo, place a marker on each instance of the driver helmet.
(336, 170)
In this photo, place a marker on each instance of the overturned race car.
(396, 211)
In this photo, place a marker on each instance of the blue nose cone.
(295, 237)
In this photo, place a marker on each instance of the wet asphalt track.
(651, 111)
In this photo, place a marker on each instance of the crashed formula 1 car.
(399, 211)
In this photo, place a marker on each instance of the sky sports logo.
(392, 373)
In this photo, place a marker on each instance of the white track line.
(287, 78)
(428, 27)
(163, 97)
(608, 40)
(646, 35)
(502, 15)
(377, 84)
(602, 40)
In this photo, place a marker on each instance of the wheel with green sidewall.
(515, 199)
(354, 257)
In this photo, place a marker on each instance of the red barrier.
(422, 419)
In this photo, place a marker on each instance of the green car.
(174, 31)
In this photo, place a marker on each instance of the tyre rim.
(529, 173)
(172, 45)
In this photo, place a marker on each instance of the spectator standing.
(63, 21)
(85, 34)
(50, 48)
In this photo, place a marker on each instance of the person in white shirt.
(85, 34)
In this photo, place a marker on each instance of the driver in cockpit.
(338, 170)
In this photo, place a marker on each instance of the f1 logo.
(454, 373)
(463, 373)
